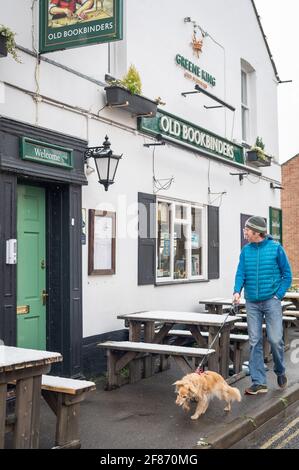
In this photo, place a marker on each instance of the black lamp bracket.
(212, 107)
(241, 175)
(273, 186)
(150, 114)
(159, 139)
(185, 93)
(94, 151)
(154, 144)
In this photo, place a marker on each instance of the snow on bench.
(64, 396)
(156, 348)
(131, 349)
(186, 333)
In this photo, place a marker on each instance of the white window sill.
(180, 281)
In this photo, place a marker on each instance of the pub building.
(163, 229)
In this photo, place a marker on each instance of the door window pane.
(163, 242)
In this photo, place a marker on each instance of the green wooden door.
(31, 272)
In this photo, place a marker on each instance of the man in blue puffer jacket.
(264, 272)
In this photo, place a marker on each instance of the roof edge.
(266, 42)
(290, 159)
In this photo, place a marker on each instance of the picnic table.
(216, 304)
(195, 322)
(24, 367)
(294, 297)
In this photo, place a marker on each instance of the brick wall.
(290, 212)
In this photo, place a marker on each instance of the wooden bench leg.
(149, 361)
(135, 370)
(224, 352)
(67, 410)
(113, 378)
(3, 391)
(35, 419)
(67, 428)
(135, 365)
(213, 359)
(238, 353)
(24, 406)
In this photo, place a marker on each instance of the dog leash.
(232, 310)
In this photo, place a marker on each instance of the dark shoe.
(282, 381)
(255, 389)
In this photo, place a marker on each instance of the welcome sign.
(46, 153)
(189, 134)
(65, 24)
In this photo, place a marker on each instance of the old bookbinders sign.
(65, 24)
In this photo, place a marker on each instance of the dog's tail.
(234, 393)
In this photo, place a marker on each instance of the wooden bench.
(233, 336)
(237, 342)
(290, 307)
(293, 313)
(64, 396)
(131, 349)
(286, 304)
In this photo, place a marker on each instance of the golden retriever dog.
(201, 387)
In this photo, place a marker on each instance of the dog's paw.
(227, 408)
(195, 416)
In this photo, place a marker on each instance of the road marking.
(287, 440)
(280, 434)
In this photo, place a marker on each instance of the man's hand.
(82, 15)
(68, 12)
(236, 298)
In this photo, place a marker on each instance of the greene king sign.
(65, 24)
(187, 133)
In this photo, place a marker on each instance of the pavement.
(280, 432)
(144, 415)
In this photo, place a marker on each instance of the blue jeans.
(270, 310)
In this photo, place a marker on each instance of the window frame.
(245, 108)
(187, 222)
(278, 211)
(92, 215)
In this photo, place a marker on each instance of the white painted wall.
(154, 33)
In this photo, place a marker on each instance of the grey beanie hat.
(257, 224)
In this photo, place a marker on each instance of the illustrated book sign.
(101, 250)
(65, 24)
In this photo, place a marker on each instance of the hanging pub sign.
(65, 24)
(188, 134)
